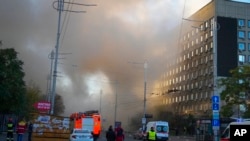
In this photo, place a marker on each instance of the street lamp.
(145, 64)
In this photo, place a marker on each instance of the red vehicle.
(90, 120)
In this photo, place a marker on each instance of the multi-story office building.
(214, 40)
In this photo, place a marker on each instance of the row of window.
(243, 23)
(242, 46)
(203, 107)
(242, 58)
(203, 27)
(242, 34)
(188, 97)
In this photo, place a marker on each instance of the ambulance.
(161, 129)
(226, 133)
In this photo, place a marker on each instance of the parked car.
(139, 134)
(80, 135)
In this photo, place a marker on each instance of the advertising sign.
(42, 105)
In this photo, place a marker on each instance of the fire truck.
(90, 120)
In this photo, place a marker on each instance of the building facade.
(214, 40)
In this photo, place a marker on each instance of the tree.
(227, 110)
(59, 106)
(33, 95)
(235, 89)
(12, 85)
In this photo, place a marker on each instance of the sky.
(102, 52)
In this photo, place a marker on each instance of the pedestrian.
(110, 135)
(176, 131)
(119, 134)
(151, 135)
(21, 127)
(30, 130)
(10, 130)
(185, 130)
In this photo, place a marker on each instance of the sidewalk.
(3, 136)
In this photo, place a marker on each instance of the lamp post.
(145, 64)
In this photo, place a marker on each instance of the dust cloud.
(102, 51)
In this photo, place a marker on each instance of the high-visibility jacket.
(152, 135)
(10, 126)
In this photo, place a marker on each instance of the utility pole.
(115, 103)
(144, 120)
(145, 97)
(60, 9)
(100, 102)
(51, 57)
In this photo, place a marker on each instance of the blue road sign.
(216, 114)
(216, 122)
(215, 106)
(215, 99)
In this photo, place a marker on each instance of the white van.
(226, 133)
(161, 129)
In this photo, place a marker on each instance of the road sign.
(216, 114)
(215, 106)
(215, 99)
(216, 122)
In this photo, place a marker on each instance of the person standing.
(21, 127)
(151, 135)
(119, 134)
(10, 129)
(30, 130)
(110, 135)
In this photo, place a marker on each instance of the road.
(102, 138)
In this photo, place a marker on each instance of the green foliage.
(33, 95)
(12, 86)
(235, 88)
(226, 110)
(59, 106)
(247, 113)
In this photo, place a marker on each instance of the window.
(248, 46)
(248, 34)
(241, 22)
(248, 23)
(249, 58)
(241, 34)
(242, 58)
(241, 46)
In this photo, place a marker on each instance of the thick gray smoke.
(95, 48)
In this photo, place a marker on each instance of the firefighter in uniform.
(10, 130)
(151, 136)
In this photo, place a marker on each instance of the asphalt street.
(102, 138)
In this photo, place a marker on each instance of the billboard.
(42, 106)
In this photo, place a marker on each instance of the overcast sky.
(96, 46)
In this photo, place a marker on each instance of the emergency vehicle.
(161, 129)
(90, 120)
(226, 133)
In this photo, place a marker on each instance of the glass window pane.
(241, 22)
(241, 46)
(241, 34)
(241, 58)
